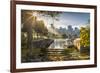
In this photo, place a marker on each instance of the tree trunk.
(29, 41)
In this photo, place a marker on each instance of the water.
(56, 49)
(60, 44)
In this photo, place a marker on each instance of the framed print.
(52, 36)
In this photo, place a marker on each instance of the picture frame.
(18, 8)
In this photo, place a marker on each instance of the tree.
(64, 36)
(85, 36)
(40, 28)
(23, 40)
(27, 21)
(53, 15)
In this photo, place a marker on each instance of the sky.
(76, 19)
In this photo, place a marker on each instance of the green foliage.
(67, 51)
(64, 36)
(27, 21)
(23, 40)
(40, 28)
(53, 15)
(26, 53)
(85, 36)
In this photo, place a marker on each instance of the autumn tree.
(85, 36)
